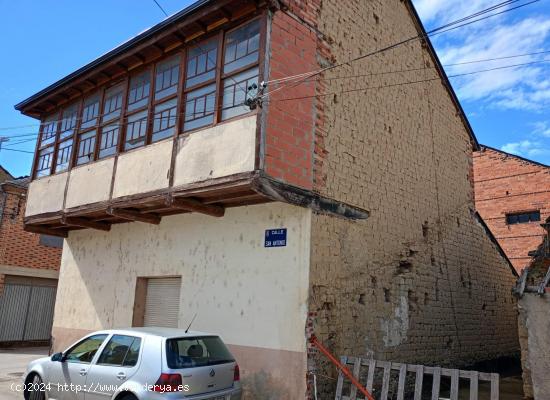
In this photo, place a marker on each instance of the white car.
(137, 364)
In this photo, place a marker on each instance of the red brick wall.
(290, 124)
(20, 248)
(507, 184)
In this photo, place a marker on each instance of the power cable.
(309, 80)
(19, 151)
(312, 73)
(407, 83)
(210, 110)
(450, 26)
(161, 9)
(426, 68)
(417, 37)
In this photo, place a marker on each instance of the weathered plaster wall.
(420, 280)
(46, 194)
(534, 323)
(143, 170)
(222, 150)
(254, 297)
(90, 183)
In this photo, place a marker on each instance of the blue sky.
(44, 40)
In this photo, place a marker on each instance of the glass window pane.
(116, 349)
(85, 351)
(90, 111)
(166, 77)
(199, 107)
(63, 155)
(242, 47)
(109, 140)
(192, 352)
(44, 163)
(133, 353)
(201, 63)
(68, 121)
(535, 216)
(164, 120)
(49, 129)
(86, 147)
(136, 130)
(138, 93)
(112, 103)
(235, 91)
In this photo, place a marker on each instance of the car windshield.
(197, 351)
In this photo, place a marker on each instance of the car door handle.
(83, 372)
(121, 376)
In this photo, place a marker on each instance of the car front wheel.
(34, 388)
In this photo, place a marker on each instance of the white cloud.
(446, 11)
(526, 88)
(525, 148)
(542, 128)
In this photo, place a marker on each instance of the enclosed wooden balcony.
(204, 172)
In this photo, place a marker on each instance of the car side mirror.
(57, 357)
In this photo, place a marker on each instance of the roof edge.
(443, 74)
(484, 146)
(113, 53)
(479, 219)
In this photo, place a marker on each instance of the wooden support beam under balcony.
(85, 223)
(190, 204)
(46, 231)
(148, 218)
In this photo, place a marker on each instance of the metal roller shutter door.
(162, 302)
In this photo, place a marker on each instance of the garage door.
(162, 302)
(26, 309)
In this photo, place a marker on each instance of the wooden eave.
(200, 18)
(211, 197)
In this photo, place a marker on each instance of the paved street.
(12, 366)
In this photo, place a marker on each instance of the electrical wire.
(310, 80)
(448, 27)
(408, 83)
(362, 89)
(161, 9)
(208, 111)
(312, 73)
(425, 68)
(17, 150)
(211, 110)
(417, 37)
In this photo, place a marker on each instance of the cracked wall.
(419, 281)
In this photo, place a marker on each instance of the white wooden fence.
(406, 372)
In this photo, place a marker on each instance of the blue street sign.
(275, 237)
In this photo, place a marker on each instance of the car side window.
(85, 351)
(121, 350)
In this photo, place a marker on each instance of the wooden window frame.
(218, 37)
(180, 95)
(257, 64)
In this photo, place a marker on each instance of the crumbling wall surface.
(534, 320)
(420, 280)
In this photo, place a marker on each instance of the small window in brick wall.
(51, 241)
(522, 218)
